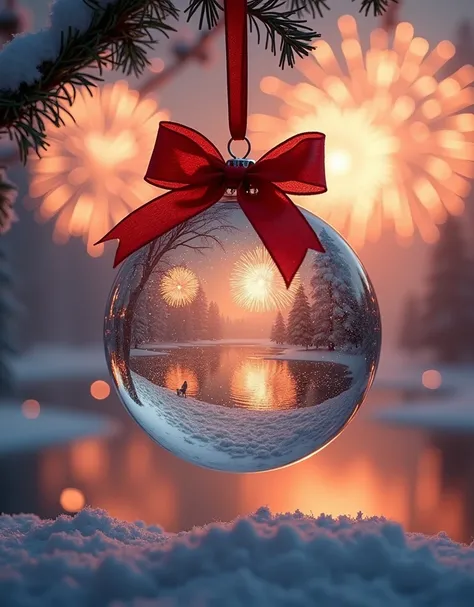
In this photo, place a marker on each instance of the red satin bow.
(188, 164)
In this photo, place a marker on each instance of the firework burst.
(179, 286)
(91, 175)
(256, 283)
(400, 141)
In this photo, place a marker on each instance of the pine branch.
(314, 7)
(8, 194)
(295, 37)
(119, 35)
(377, 6)
(284, 25)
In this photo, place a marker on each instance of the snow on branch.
(40, 71)
(257, 561)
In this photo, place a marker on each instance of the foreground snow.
(287, 560)
(239, 440)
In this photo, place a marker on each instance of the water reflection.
(177, 374)
(263, 384)
(422, 481)
(242, 377)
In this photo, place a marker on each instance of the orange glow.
(257, 285)
(177, 375)
(89, 460)
(100, 389)
(263, 384)
(91, 175)
(428, 482)
(72, 500)
(383, 114)
(431, 379)
(179, 286)
(30, 409)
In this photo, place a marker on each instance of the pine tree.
(409, 338)
(300, 329)
(447, 326)
(180, 324)
(214, 322)
(7, 309)
(140, 323)
(334, 306)
(278, 332)
(199, 314)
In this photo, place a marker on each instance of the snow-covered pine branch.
(40, 71)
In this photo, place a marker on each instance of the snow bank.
(46, 362)
(138, 352)
(52, 427)
(210, 342)
(454, 415)
(287, 560)
(239, 440)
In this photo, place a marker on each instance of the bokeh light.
(399, 136)
(179, 286)
(100, 389)
(72, 500)
(30, 408)
(431, 379)
(91, 175)
(257, 285)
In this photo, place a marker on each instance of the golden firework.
(91, 175)
(400, 141)
(257, 285)
(179, 286)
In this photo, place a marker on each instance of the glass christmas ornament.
(224, 366)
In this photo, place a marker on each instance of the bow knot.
(235, 178)
(192, 168)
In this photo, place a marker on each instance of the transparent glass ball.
(224, 366)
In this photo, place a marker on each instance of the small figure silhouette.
(182, 391)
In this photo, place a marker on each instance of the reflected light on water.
(30, 409)
(313, 488)
(89, 460)
(263, 384)
(428, 483)
(177, 375)
(72, 500)
(431, 379)
(100, 389)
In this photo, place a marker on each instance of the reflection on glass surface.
(224, 366)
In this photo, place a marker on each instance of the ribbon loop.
(188, 164)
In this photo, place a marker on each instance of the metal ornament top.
(240, 163)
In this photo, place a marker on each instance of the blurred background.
(400, 167)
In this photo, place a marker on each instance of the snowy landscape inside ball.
(224, 366)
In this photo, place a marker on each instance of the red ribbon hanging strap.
(188, 164)
(235, 15)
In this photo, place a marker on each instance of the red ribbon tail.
(159, 216)
(282, 227)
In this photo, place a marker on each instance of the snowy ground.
(211, 342)
(53, 426)
(342, 358)
(137, 352)
(292, 560)
(240, 440)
